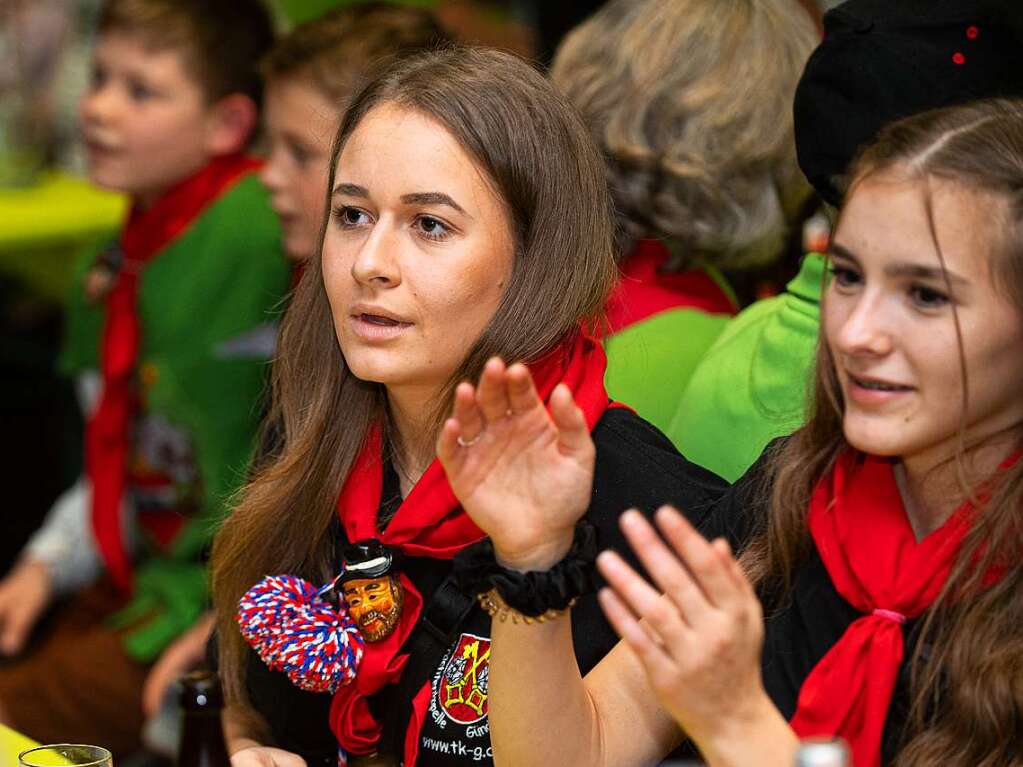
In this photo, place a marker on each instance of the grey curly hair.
(691, 102)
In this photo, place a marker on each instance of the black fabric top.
(636, 466)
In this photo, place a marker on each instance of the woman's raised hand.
(523, 475)
(701, 632)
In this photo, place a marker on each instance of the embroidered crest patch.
(461, 689)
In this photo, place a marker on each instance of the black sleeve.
(740, 513)
(297, 719)
(636, 467)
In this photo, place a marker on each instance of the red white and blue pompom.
(294, 629)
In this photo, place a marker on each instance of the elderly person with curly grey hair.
(691, 103)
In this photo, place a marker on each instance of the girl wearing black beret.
(877, 593)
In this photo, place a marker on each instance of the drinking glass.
(62, 754)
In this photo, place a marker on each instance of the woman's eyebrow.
(351, 190)
(924, 272)
(413, 198)
(834, 249)
(906, 268)
(431, 198)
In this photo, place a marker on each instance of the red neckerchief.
(106, 438)
(861, 531)
(430, 523)
(644, 290)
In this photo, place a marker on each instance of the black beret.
(882, 60)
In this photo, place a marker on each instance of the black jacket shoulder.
(741, 512)
(638, 467)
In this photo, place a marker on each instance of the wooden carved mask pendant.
(371, 589)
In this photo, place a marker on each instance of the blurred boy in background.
(169, 392)
(311, 74)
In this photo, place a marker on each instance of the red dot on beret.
(958, 58)
(972, 32)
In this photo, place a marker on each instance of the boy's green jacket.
(661, 324)
(754, 383)
(207, 304)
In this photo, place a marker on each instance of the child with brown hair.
(311, 74)
(158, 330)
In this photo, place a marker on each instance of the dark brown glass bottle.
(202, 734)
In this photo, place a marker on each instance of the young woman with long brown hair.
(884, 538)
(468, 217)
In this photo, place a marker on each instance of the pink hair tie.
(890, 615)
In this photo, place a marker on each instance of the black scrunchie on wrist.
(533, 593)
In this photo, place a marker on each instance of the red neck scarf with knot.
(864, 538)
(430, 523)
(107, 432)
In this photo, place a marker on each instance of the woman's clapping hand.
(524, 475)
(698, 633)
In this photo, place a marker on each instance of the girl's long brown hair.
(967, 670)
(537, 154)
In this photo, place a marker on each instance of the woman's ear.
(231, 122)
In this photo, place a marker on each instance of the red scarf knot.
(145, 234)
(864, 538)
(890, 615)
(430, 523)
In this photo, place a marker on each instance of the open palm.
(522, 473)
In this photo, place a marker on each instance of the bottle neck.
(202, 740)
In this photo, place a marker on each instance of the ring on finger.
(468, 442)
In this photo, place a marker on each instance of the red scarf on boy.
(861, 531)
(107, 433)
(430, 523)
